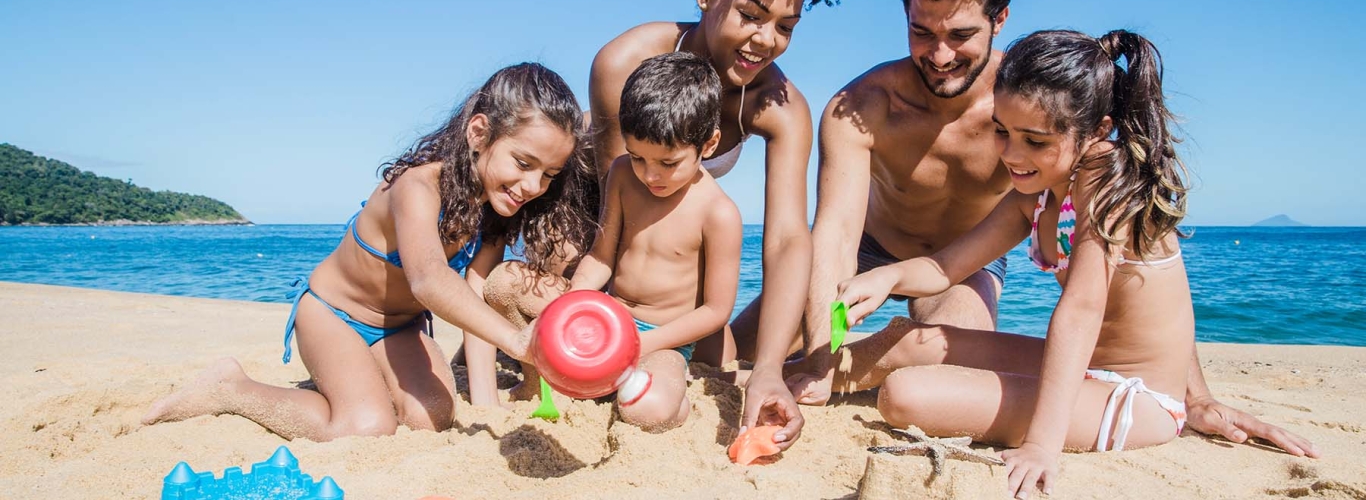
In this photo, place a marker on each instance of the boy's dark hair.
(672, 99)
(991, 8)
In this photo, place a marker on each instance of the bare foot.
(201, 397)
(809, 383)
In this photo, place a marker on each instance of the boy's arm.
(721, 242)
(596, 268)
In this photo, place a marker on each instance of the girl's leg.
(865, 363)
(516, 293)
(665, 405)
(997, 407)
(420, 382)
(351, 399)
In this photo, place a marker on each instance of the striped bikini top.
(720, 164)
(1067, 224)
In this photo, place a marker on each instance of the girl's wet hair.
(564, 214)
(1077, 80)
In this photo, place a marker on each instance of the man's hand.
(768, 402)
(1207, 416)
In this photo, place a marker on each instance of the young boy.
(669, 246)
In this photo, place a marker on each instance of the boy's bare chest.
(655, 232)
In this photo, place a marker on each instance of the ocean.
(1249, 284)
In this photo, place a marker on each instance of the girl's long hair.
(1141, 188)
(563, 217)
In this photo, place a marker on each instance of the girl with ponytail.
(1099, 190)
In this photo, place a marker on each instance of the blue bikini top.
(459, 262)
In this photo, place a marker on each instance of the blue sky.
(285, 109)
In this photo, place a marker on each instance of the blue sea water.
(1263, 285)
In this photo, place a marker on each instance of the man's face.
(950, 43)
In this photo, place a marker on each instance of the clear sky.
(285, 109)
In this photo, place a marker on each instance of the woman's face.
(519, 167)
(1037, 156)
(745, 36)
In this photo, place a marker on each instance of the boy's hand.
(768, 402)
(1028, 466)
(866, 292)
(1208, 416)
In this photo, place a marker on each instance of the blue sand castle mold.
(275, 479)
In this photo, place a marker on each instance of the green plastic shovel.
(547, 409)
(839, 324)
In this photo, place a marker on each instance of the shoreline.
(128, 223)
(84, 364)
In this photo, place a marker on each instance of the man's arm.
(1208, 416)
(841, 207)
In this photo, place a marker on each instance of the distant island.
(1281, 220)
(41, 191)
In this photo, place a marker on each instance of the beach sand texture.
(82, 366)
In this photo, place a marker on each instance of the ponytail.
(1142, 194)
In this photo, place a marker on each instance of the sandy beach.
(82, 366)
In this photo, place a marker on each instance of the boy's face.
(664, 169)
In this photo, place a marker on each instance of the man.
(908, 163)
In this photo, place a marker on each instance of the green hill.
(37, 190)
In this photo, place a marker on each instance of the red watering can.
(587, 346)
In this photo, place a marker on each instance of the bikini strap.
(740, 116)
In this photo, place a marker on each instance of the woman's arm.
(721, 242)
(596, 268)
(786, 129)
(415, 206)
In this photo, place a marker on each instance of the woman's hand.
(1027, 466)
(864, 293)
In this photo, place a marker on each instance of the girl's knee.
(370, 424)
(437, 413)
(500, 288)
(905, 399)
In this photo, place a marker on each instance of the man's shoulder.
(870, 94)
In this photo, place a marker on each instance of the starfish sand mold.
(938, 449)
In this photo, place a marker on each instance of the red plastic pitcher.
(587, 346)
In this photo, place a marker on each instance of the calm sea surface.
(1264, 285)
